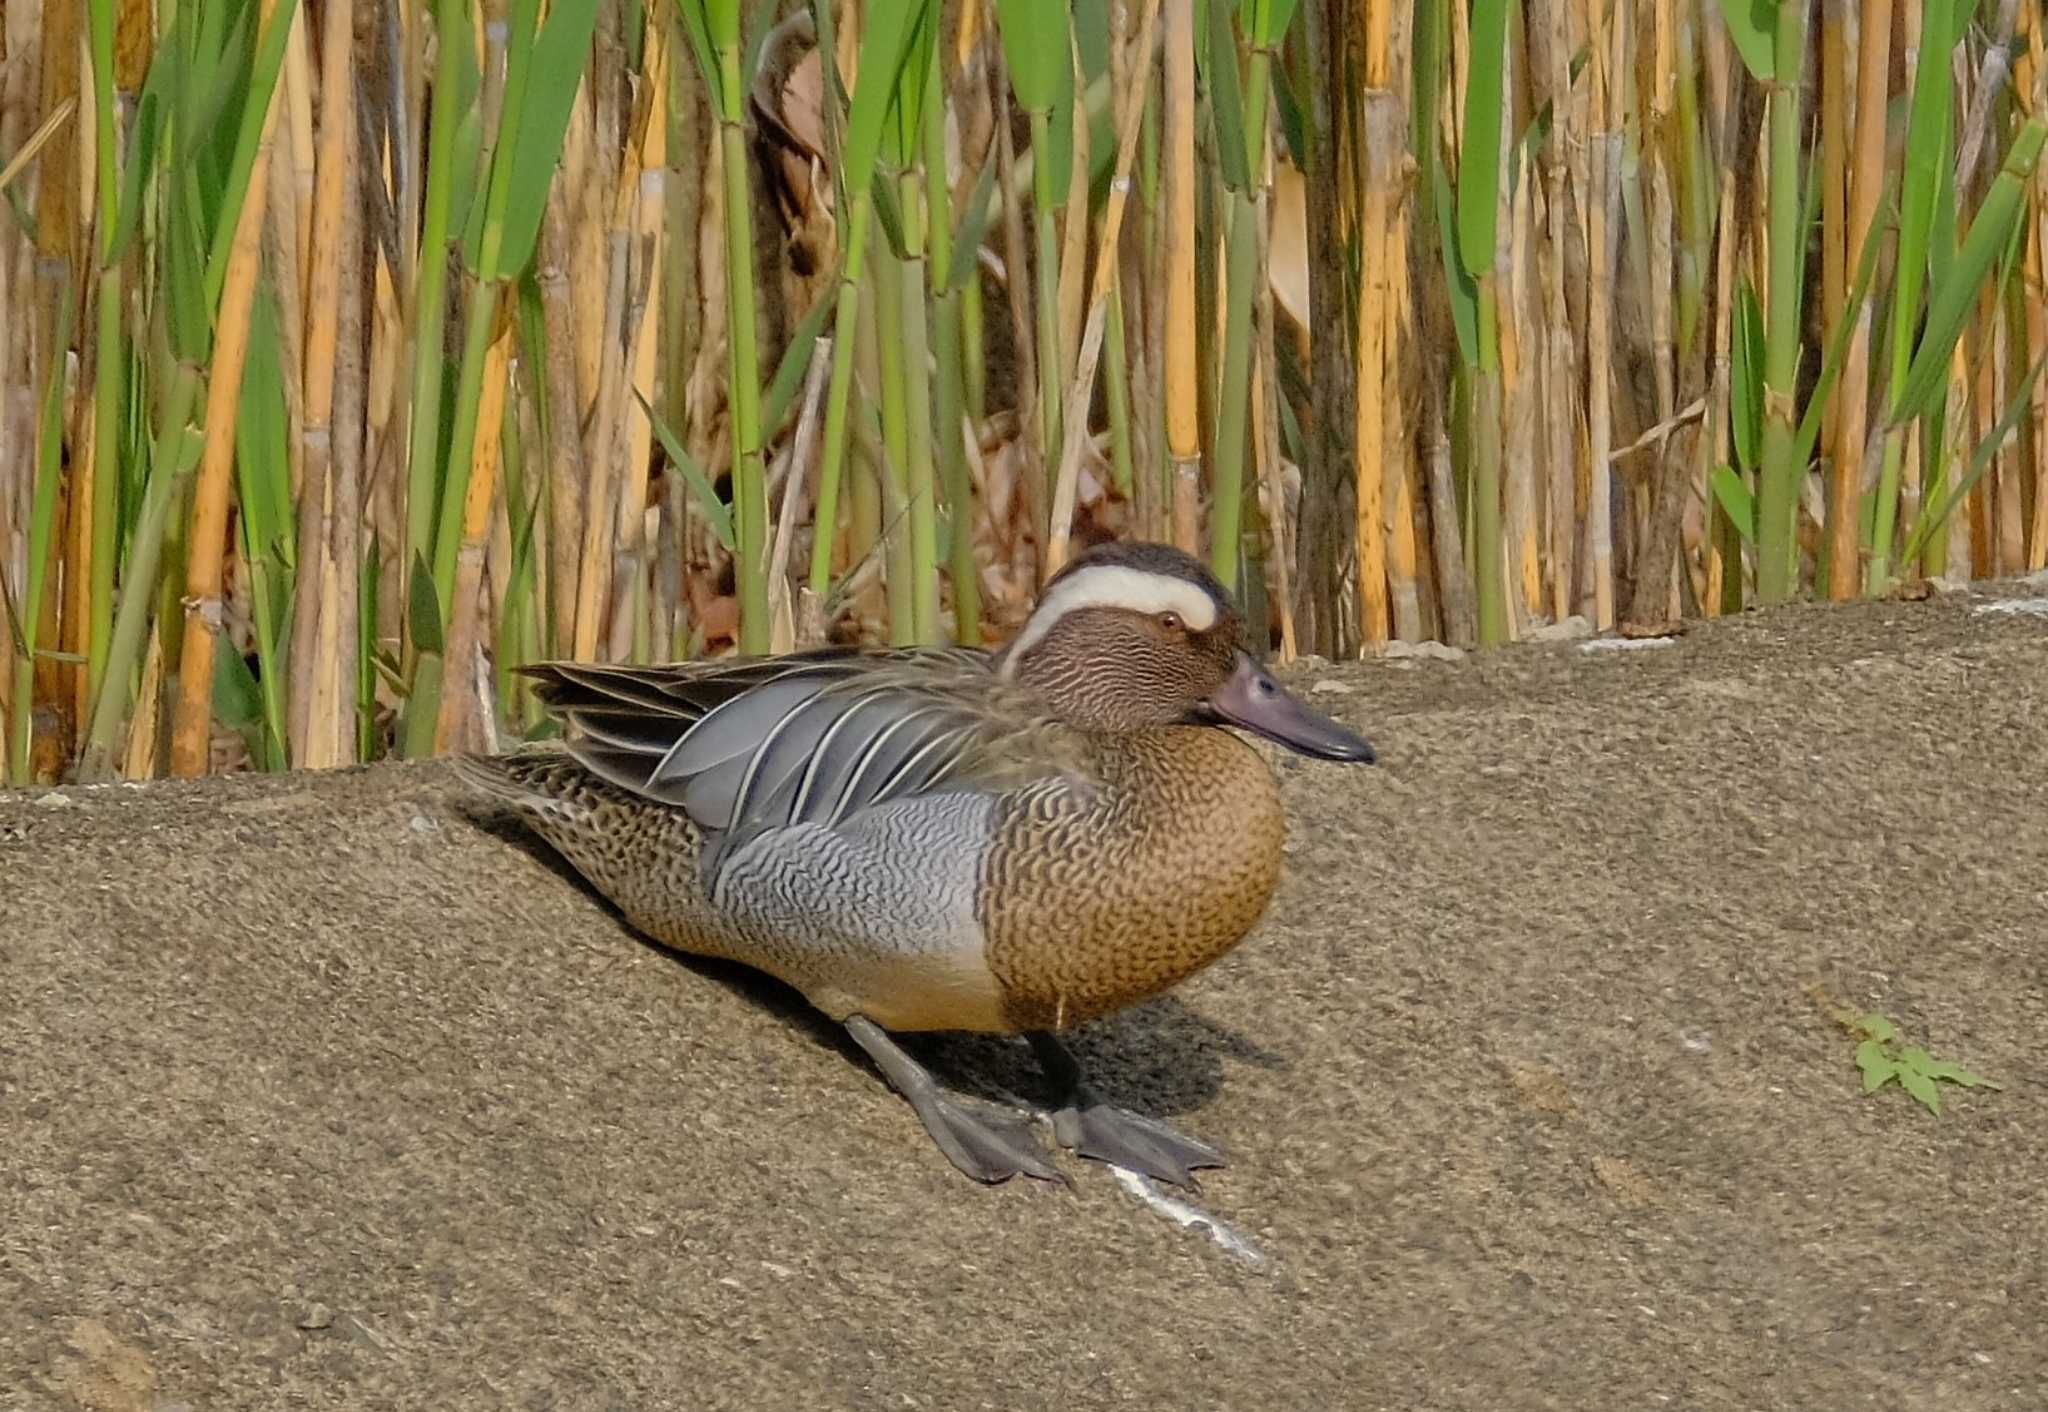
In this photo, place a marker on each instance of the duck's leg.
(1085, 1124)
(985, 1143)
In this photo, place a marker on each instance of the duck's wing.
(753, 744)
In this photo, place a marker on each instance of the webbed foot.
(989, 1144)
(1116, 1135)
(1091, 1128)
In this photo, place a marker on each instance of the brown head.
(1135, 635)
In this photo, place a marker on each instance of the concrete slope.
(315, 1092)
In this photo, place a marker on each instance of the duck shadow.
(1162, 1057)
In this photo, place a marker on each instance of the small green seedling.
(1882, 1058)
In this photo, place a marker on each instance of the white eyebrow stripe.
(1113, 586)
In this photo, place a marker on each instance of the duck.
(1012, 842)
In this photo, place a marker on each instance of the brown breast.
(1093, 902)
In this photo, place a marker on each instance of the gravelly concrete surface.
(319, 1092)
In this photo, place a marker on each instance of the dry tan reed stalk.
(134, 43)
(1023, 328)
(20, 350)
(56, 181)
(142, 752)
(1833, 114)
(74, 566)
(297, 120)
(460, 722)
(1608, 54)
(1852, 408)
(2037, 347)
(641, 182)
(1560, 393)
(1670, 489)
(318, 693)
(1954, 551)
(1183, 390)
(1145, 292)
(1380, 131)
(1457, 606)
(590, 150)
(1980, 418)
(346, 504)
(192, 723)
(794, 628)
(1988, 403)
(2030, 86)
(2012, 547)
(286, 284)
(286, 270)
(1550, 51)
(1522, 579)
(75, 570)
(1409, 591)
(1074, 417)
(652, 249)
(61, 173)
(1723, 547)
(594, 577)
(565, 469)
(1265, 413)
(1073, 281)
(499, 595)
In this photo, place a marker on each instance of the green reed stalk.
(1044, 200)
(1037, 47)
(431, 290)
(1779, 474)
(1478, 217)
(947, 294)
(171, 464)
(1243, 161)
(891, 274)
(42, 519)
(110, 355)
(1928, 140)
(1118, 394)
(888, 28)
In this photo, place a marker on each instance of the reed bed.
(352, 354)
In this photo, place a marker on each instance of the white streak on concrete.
(1189, 1217)
(2016, 607)
(1624, 644)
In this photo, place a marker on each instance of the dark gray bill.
(1253, 700)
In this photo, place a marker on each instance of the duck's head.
(1134, 635)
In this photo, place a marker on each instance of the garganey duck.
(949, 839)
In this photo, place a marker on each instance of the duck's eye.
(1170, 621)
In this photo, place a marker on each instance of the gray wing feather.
(872, 758)
(738, 727)
(723, 795)
(764, 744)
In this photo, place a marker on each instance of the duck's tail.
(543, 783)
